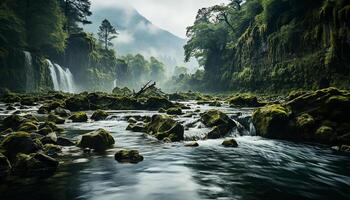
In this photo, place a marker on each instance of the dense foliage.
(272, 44)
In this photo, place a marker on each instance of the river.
(258, 169)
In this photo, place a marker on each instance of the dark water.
(258, 169)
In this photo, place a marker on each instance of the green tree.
(76, 12)
(107, 33)
(157, 69)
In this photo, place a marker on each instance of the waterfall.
(29, 72)
(62, 78)
(115, 83)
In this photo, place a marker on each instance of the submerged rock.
(230, 143)
(36, 164)
(99, 115)
(128, 156)
(99, 140)
(191, 144)
(165, 128)
(79, 117)
(136, 127)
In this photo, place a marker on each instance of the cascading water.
(29, 72)
(62, 78)
(114, 83)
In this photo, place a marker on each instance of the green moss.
(99, 140)
(79, 117)
(244, 100)
(174, 111)
(271, 121)
(304, 121)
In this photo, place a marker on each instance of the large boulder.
(78, 102)
(13, 122)
(62, 112)
(164, 128)
(320, 116)
(28, 127)
(79, 117)
(271, 121)
(36, 164)
(19, 142)
(128, 156)
(244, 100)
(174, 111)
(219, 121)
(155, 103)
(99, 115)
(55, 119)
(99, 140)
(5, 167)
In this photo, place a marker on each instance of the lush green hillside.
(272, 45)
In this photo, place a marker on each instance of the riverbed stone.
(230, 143)
(99, 115)
(165, 128)
(128, 156)
(174, 111)
(55, 119)
(62, 112)
(13, 122)
(19, 142)
(77, 102)
(62, 141)
(5, 167)
(213, 118)
(28, 127)
(36, 164)
(98, 140)
(136, 127)
(191, 144)
(79, 117)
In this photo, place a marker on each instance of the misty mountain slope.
(139, 35)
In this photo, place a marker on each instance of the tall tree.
(76, 11)
(107, 33)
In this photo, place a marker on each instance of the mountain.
(138, 35)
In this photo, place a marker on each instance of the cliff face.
(23, 72)
(308, 49)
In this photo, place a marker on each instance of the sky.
(171, 15)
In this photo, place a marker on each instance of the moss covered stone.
(79, 117)
(99, 115)
(36, 164)
(165, 128)
(19, 142)
(28, 127)
(128, 156)
(5, 167)
(230, 143)
(174, 111)
(271, 121)
(98, 140)
(213, 118)
(244, 100)
(55, 119)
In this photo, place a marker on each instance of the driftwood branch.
(144, 88)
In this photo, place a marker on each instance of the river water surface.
(258, 169)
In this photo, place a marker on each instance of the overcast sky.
(171, 15)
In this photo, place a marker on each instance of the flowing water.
(29, 72)
(258, 169)
(62, 78)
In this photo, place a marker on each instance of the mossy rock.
(52, 149)
(55, 119)
(62, 141)
(79, 117)
(230, 143)
(125, 103)
(213, 118)
(272, 121)
(305, 122)
(136, 127)
(128, 156)
(174, 111)
(78, 102)
(215, 104)
(62, 112)
(50, 125)
(28, 127)
(155, 103)
(44, 110)
(162, 110)
(13, 122)
(164, 128)
(34, 165)
(219, 131)
(122, 91)
(19, 142)
(99, 115)
(244, 100)
(325, 134)
(5, 167)
(99, 140)
(11, 98)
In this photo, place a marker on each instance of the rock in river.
(128, 156)
(36, 164)
(99, 140)
(79, 117)
(165, 128)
